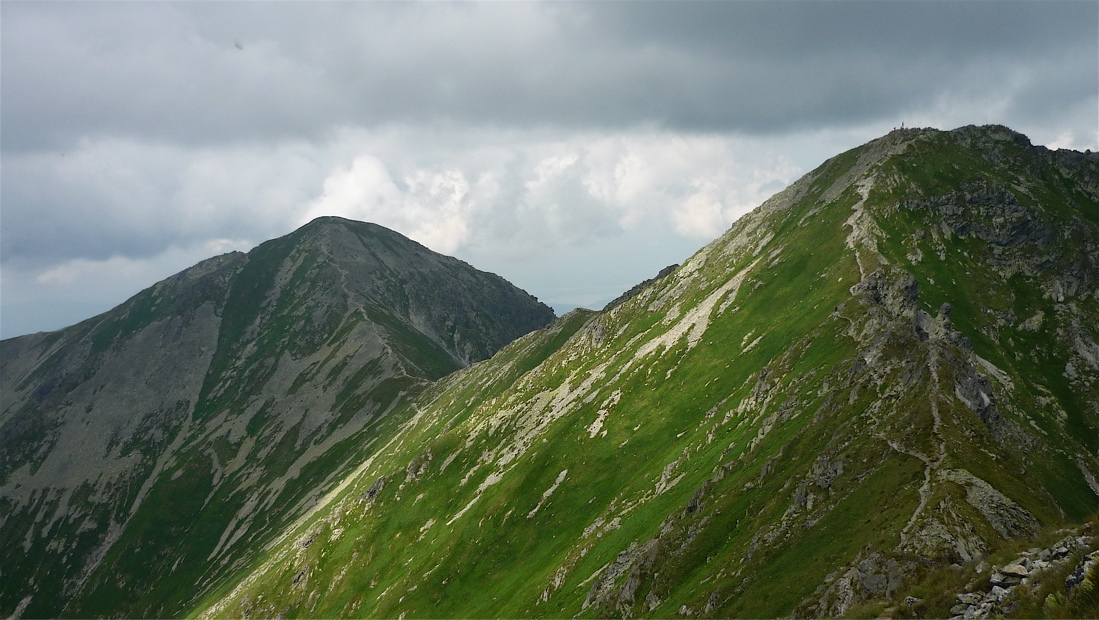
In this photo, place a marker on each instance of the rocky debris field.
(1015, 581)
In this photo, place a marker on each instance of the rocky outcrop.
(1000, 597)
(876, 577)
(989, 212)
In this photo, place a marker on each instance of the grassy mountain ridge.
(147, 451)
(888, 368)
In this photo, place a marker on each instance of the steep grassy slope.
(145, 453)
(888, 368)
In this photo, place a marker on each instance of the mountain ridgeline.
(876, 394)
(151, 449)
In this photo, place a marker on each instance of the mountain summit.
(147, 449)
(868, 396)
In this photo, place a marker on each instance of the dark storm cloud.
(532, 139)
(785, 65)
(217, 72)
(119, 197)
(145, 70)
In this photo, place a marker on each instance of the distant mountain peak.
(216, 405)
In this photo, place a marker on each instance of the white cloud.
(570, 217)
(84, 270)
(107, 280)
(430, 206)
(1069, 139)
(591, 138)
(120, 210)
(522, 192)
(1064, 140)
(699, 216)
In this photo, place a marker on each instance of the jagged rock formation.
(887, 369)
(150, 450)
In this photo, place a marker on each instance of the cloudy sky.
(574, 148)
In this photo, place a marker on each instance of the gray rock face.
(991, 213)
(469, 313)
(217, 405)
(875, 577)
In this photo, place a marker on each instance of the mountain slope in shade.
(888, 369)
(147, 451)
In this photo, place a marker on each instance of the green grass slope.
(793, 422)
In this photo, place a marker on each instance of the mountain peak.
(335, 222)
(215, 406)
